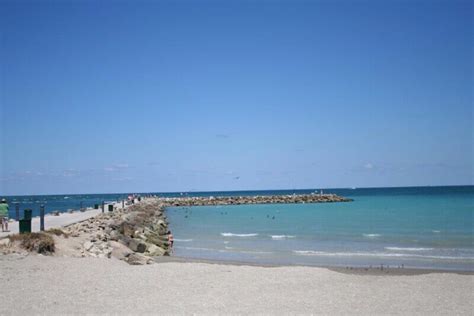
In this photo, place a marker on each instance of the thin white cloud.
(121, 165)
(123, 179)
(116, 167)
(369, 166)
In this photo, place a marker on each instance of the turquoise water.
(415, 227)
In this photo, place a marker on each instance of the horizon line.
(248, 190)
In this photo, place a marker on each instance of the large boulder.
(137, 245)
(114, 235)
(88, 245)
(138, 259)
(158, 242)
(155, 251)
(119, 250)
(127, 229)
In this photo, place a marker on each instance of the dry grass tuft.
(37, 242)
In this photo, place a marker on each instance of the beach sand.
(58, 285)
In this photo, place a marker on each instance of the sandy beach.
(54, 285)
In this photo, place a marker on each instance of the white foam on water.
(371, 235)
(280, 237)
(238, 235)
(436, 231)
(226, 250)
(183, 240)
(197, 248)
(407, 249)
(254, 252)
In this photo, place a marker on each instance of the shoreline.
(390, 271)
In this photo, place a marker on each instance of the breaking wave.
(371, 235)
(407, 249)
(238, 235)
(280, 237)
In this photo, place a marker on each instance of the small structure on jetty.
(258, 199)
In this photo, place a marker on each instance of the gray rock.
(119, 250)
(5, 242)
(158, 242)
(155, 251)
(138, 259)
(128, 229)
(114, 235)
(137, 245)
(88, 245)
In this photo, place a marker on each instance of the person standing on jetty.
(4, 215)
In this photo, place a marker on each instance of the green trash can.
(111, 207)
(96, 206)
(28, 214)
(25, 226)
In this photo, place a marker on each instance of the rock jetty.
(134, 234)
(261, 199)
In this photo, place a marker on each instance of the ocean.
(420, 227)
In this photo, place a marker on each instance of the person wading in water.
(170, 240)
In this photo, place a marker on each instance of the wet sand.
(58, 285)
(369, 270)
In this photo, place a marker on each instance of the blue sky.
(111, 96)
